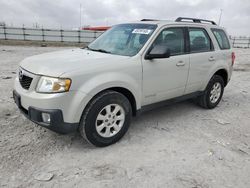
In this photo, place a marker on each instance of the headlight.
(53, 85)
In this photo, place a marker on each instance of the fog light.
(46, 117)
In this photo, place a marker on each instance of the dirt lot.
(181, 145)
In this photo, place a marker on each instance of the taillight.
(233, 58)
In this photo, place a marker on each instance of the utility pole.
(221, 10)
(80, 17)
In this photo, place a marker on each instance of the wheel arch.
(224, 74)
(124, 91)
(128, 94)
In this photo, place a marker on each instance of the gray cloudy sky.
(65, 13)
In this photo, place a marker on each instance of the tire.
(101, 127)
(211, 98)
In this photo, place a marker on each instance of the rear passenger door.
(202, 58)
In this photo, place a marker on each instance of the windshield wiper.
(98, 50)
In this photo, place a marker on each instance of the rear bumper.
(56, 124)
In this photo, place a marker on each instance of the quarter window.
(173, 38)
(199, 40)
(221, 38)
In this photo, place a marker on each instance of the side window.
(199, 40)
(173, 38)
(221, 38)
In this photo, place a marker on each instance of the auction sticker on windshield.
(142, 31)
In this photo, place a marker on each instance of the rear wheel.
(106, 118)
(213, 93)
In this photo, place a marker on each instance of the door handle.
(180, 63)
(211, 58)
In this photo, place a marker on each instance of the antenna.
(221, 10)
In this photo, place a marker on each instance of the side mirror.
(158, 52)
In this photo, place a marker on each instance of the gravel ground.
(181, 145)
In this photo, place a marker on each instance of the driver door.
(166, 78)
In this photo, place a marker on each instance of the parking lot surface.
(180, 145)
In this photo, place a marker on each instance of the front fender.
(104, 81)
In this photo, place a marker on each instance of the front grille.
(25, 81)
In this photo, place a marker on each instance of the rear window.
(221, 38)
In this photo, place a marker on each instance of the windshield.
(124, 39)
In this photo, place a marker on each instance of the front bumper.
(34, 114)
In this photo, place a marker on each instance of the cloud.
(66, 13)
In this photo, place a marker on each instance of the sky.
(66, 13)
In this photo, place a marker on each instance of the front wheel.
(106, 118)
(213, 93)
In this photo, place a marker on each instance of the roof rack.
(148, 20)
(195, 20)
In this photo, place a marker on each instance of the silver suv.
(129, 68)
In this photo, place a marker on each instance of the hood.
(60, 62)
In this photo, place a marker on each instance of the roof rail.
(195, 20)
(148, 20)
